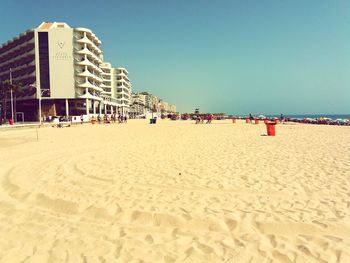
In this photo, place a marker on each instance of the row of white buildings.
(144, 104)
(61, 72)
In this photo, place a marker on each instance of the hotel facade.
(61, 70)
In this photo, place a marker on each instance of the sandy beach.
(175, 192)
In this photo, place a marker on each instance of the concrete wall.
(61, 63)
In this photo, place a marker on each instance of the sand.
(175, 192)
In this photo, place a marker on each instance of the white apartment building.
(61, 69)
(151, 101)
(137, 108)
(111, 104)
(123, 90)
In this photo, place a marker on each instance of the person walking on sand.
(81, 119)
(209, 119)
(251, 118)
(198, 119)
(282, 118)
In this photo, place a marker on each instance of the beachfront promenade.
(175, 192)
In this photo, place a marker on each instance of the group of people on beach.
(282, 118)
(201, 118)
(112, 118)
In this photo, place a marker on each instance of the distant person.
(198, 119)
(251, 117)
(209, 118)
(282, 118)
(99, 118)
(81, 119)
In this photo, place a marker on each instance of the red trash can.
(270, 126)
(256, 121)
(247, 120)
(11, 121)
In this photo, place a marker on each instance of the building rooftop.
(48, 25)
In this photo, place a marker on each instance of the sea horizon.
(302, 116)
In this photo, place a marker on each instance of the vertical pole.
(11, 94)
(87, 107)
(39, 107)
(93, 103)
(12, 105)
(67, 108)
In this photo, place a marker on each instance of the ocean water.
(302, 116)
(313, 116)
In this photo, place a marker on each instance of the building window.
(44, 64)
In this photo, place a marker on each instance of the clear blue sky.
(240, 57)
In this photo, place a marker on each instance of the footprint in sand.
(305, 250)
(281, 257)
(149, 239)
(186, 216)
(230, 223)
(273, 240)
(320, 224)
(204, 248)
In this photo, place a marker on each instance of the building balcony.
(122, 92)
(88, 95)
(23, 58)
(84, 62)
(96, 48)
(125, 78)
(97, 59)
(82, 30)
(24, 45)
(108, 93)
(127, 83)
(123, 86)
(85, 51)
(98, 79)
(84, 40)
(105, 86)
(121, 74)
(88, 85)
(84, 73)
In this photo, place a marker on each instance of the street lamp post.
(11, 94)
(39, 107)
(41, 91)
